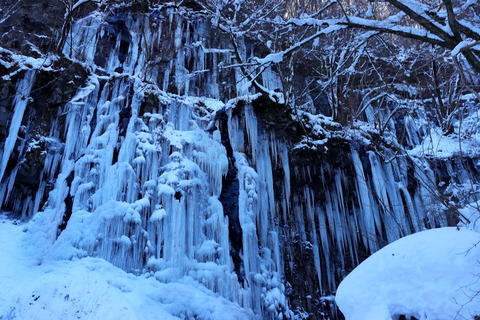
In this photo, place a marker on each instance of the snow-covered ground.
(433, 274)
(91, 288)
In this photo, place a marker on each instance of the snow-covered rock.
(433, 274)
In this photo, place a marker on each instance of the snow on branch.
(428, 24)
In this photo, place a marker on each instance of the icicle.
(82, 41)
(271, 80)
(286, 179)
(368, 215)
(387, 195)
(242, 83)
(311, 212)
(20, 102)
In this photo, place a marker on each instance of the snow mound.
(433, 274)
(92, 288)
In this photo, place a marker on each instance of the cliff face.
(140, 144)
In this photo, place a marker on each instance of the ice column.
(20, 102)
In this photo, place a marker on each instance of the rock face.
(34, 28)
(136, 132)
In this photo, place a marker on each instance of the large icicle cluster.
(139, 181)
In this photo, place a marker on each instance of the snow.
(394, 27)
(78, 4)
(468, 3)
(472, 213)
(461, 46)
(272, 57)
(24, 63)
(436, 143)
(92, 288)
(432, 274)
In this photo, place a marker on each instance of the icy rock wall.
(153, 168)
(331, 209)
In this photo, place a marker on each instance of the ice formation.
(161, 167)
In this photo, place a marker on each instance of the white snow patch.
(429, 275)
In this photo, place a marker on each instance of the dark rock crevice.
(68, 205)
(229, 199)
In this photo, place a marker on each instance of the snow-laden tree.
(354, 51)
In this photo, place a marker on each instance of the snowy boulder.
(433, 274)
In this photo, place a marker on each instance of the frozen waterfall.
(160, 165)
